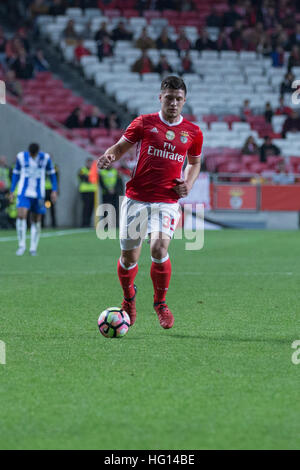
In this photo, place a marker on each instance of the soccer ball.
(113, 322)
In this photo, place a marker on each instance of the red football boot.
(129, 306)
(165, 316)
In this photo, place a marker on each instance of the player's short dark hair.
(174, 83)
(33, 149)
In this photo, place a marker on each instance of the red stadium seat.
(258, 167)
(170, 14)
(149, 14)
(230, 118)
(112, 13)
(99, 132)
(210, 118)
(104, 142)
(80, 133)
(130, 12)
(248, 160)
(273, 160)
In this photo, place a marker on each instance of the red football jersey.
(161, 151)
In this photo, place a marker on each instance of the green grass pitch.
(221, 378)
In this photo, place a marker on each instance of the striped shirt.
(30, 174)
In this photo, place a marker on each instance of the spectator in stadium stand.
(295, 37)
(203, 41)
(267, 148)
(3, 41)
(143, 64)
(291, 124)
(245, 110)
(294, 58)
(166, 4)
(250, 147)
(213, 20)
(250, 19)
(163, 67)
(112, 121)
(223, 42)
(94, 119)
(144, 41)
(275, 35)
(69, 34)
(286, 84)
(120, 33)
(186, 5)
(163, 41)
(187, 64)
(182, 44)
(264, 45)
(22, 35)
(230, 17)
(141, 6)
(277, 57)
(57, 8)
(102, 31)
(268, 17)
(13, 47)
(236, 36)
(283, 176)
(105, 48)
(13, 85)
(39, 62)
(80, 50)
(282, 108)
(23, 66)
(268, 113)
(73, 120)
(38, 7)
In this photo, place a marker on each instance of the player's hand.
(181, 188)
(105, 161)
(53, 196)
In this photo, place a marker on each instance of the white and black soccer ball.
(113, 322)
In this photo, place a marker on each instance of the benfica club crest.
(184, 137)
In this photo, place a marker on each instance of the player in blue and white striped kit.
(30, 174)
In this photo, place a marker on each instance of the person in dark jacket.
(73, 121)
(291, 124)
(268, 148)
(93, 120)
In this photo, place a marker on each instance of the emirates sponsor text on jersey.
(167, 152)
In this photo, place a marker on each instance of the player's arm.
(15, 179)
(132, 135)
(191, 173)
(192, 169)
(114, 153)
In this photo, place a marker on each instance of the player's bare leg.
(35, 231)
(127, 271)
(160, 275)
(21, 226)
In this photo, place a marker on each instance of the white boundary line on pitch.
(237, 273)
(59, 233)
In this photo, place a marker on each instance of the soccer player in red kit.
(163, 139)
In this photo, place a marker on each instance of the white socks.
(21, 226)
(35, 232)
